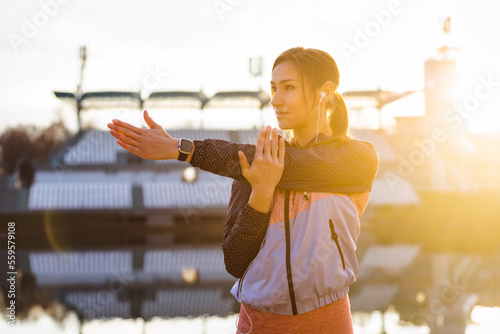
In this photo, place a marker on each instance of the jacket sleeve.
(244, 230)
(347, 168)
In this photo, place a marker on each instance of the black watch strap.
(185, 148)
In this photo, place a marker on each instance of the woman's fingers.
(267, 145)
(282, 151)
(274, 143)
(260, 143)
(267, 167)
(122, 130)
(129, 147)
(124, 138)
(125, 125)
(243, 163)
(149, 121)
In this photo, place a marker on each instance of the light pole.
(256, 69)
(79, 93)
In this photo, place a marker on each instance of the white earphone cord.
(317, 125)
(319, 109)
(236, 321)
(241, 299)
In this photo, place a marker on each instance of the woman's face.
(288, 101)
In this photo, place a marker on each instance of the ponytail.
(339, 118)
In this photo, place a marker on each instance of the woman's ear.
(322, 96)
(329, 89)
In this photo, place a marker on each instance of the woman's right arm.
(250, 206)
(244, 230)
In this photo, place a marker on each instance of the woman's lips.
(278, 115)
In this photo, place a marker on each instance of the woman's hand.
(266, 169)
(153, 143)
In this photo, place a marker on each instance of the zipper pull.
(306, 196)
(335, 236)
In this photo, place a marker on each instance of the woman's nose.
(276, 100)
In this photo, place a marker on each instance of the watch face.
(186, 145)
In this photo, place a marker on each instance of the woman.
(293, 217)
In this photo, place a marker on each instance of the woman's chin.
(283, 125)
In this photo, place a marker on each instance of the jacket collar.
(321, 137)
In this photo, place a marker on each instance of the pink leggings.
(332, 318)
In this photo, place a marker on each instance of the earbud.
(323, 94)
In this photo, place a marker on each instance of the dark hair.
(318, 67)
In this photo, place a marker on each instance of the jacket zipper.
(335, 237)
(288, 262)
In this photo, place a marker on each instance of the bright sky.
(193, 44)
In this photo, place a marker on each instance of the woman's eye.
(273, 89)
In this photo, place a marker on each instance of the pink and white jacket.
(300, 255)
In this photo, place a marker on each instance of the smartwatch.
(185, 148)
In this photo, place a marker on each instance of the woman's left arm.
(347, 168)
